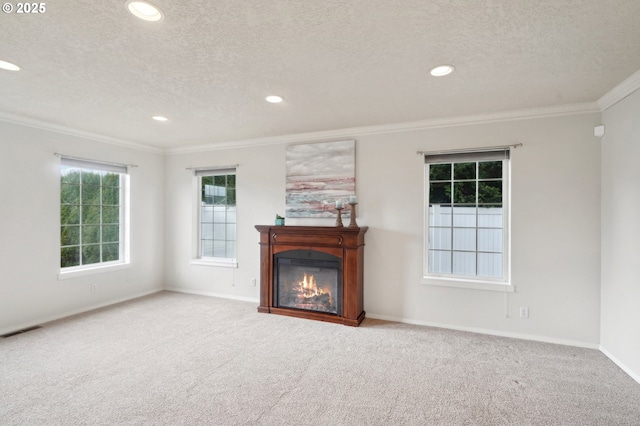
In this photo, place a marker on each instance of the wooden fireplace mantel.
(346, 243)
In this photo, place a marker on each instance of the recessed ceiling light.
(160, 118)
(273, 99)
(442, 70)
(9, 66)
(144, 10)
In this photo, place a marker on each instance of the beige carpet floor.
(177, 359)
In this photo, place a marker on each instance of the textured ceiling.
(91, 66)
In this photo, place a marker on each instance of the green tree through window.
(90, 216)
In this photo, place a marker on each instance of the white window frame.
(503, 283)
(124, 218)
(197, 257)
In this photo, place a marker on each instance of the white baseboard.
(61, 315)
(490, 332)
(212, 294)
(620, 364)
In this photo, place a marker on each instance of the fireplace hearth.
(312, 272)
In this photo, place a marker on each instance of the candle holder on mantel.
(339, 218)
(352, 223)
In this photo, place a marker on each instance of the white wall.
(555, 258)
(620, 336)
(30, 291)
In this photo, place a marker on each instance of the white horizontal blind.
(215, 171)
(458, 157)
(93, 165)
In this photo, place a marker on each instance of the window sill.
(79, 272)
(468, 284)
(225, 263)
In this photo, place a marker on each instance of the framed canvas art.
(318, 175)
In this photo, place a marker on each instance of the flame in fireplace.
(309, 287)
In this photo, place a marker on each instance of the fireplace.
(312, 272)
(308, 280)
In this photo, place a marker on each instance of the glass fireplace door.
(307, 283)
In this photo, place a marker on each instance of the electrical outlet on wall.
(524, 312)
(253, 282)
(94, 287)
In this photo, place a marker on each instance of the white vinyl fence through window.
(466, 240)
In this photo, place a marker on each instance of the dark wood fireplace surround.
(347, 243)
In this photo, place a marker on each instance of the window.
(92, 201)
(217, 215)
(467, 217)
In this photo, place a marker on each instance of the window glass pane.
(219, 231)
(490, 192)
(206, 247)
(220, 181)
(231, 215)
(90, 194)
(110, 195)
(464, 239)
(90, 254)
(439, 193)
(439, 262)
(110, 233)
(90, 178)
(69, 256)
(463, 171)
(490, 265)
(440, 215)
(231, 249)
(206, 231)
(490, 170)
(111, 179)
(110, 215)
(70, 176)
(439, 172)
(465, 193)
(90, 215)
(464, 217)
(69, 194)
(490, 216)
(231, 232)
(90, 234)
(219, 248)
(231, 197)
(206, 214)
(440, 238)
(464, 263)
(490, 240)
(69, 235)
(219, 214)
(110, 252)
(69, 215)
(207, 189)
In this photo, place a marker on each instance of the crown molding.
(553, 111)
(620, 92)
(52, 127)
(524, 114)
